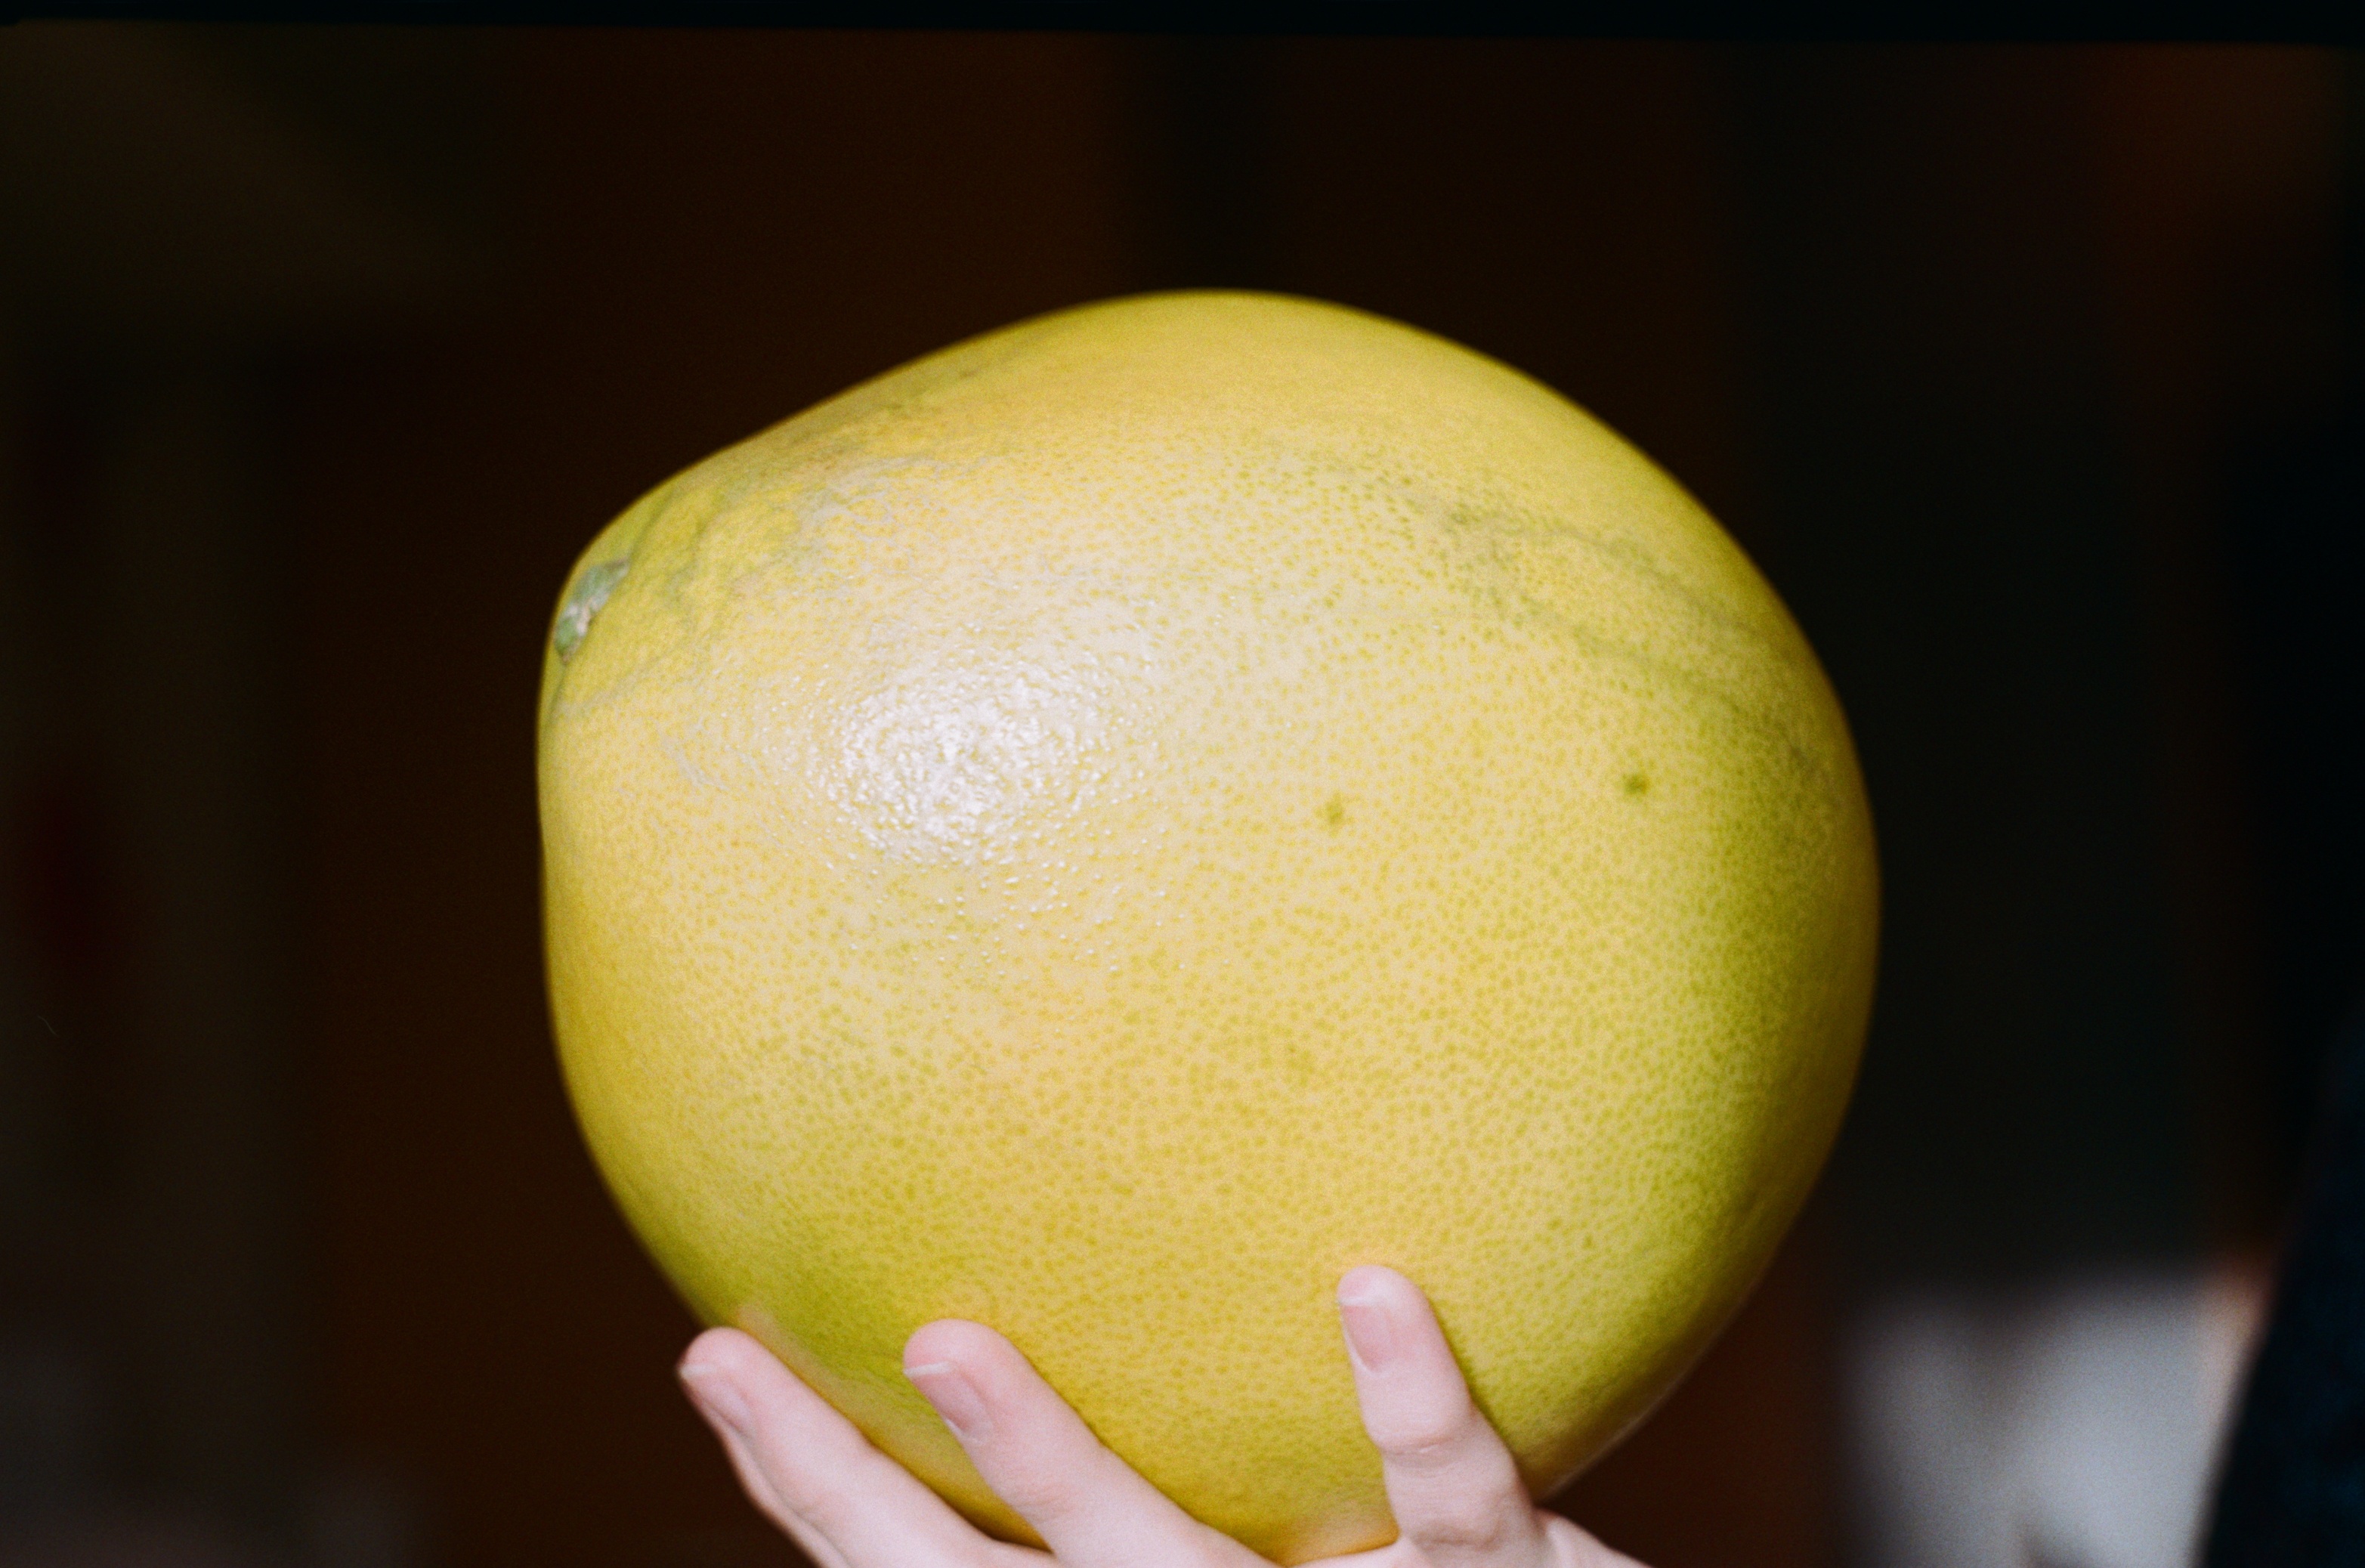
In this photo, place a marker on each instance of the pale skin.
(1457, 1498)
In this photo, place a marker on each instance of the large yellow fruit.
(1103, 829)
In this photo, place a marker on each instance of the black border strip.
(2322, 22)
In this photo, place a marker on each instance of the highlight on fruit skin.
(1106, 828)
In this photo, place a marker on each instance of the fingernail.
(1370, 1335)
(954, 1397)
(717, 1396)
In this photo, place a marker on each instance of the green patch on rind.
(582, 602)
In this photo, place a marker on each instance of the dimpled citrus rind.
(1108, 827)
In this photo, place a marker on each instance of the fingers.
(1452, 1486)
(759, 1492)
(1456, 1494)
(809, 1469)
(1039, 1457)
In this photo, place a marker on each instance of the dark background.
(2031, 375)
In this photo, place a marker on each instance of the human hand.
(1451, 1483)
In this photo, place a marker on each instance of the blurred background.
(2032, 376)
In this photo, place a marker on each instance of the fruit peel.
(1109, 827)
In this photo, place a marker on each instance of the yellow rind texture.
(1108, 827)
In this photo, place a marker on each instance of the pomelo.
(1106, 828)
